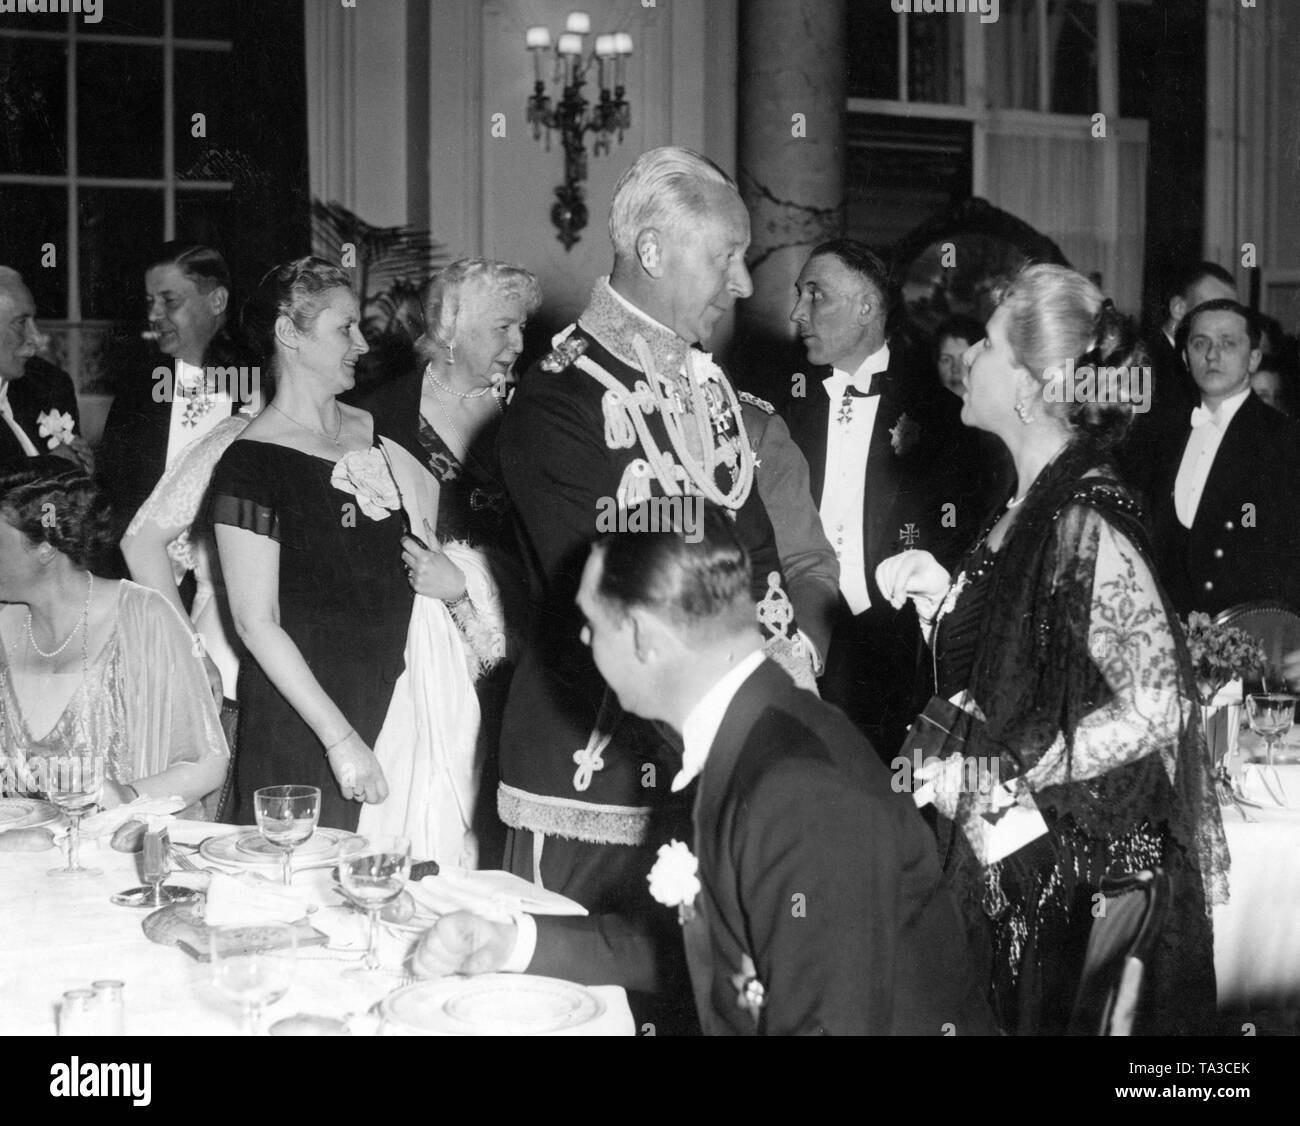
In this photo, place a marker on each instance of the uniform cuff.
(525, 944)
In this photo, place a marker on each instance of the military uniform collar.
(616, 323)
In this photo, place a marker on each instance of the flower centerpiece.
(1220, 655)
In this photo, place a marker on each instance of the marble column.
(792, 81)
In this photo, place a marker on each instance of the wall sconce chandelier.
(572, 115)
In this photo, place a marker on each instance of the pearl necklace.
(438, 384)
(434, 384)
(83, 620)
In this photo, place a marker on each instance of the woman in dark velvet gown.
(1055, 634)
(310, 536)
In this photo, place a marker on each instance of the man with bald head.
(38, 403)
(626, 408)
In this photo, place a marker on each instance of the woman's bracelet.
(459, 601)
(339, 740)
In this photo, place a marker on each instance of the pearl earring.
(451, 353)
(1023, 411)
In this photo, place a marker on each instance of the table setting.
(284, 928)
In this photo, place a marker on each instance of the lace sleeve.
(1130, 641)
(174, 504)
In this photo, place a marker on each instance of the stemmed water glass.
(1271, 715)
(253, 966)
(74, 783)
(287, 816)
(372, 878)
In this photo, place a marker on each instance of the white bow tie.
(1200, 416)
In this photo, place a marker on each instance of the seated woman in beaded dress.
(90, 666)
(1056, 636)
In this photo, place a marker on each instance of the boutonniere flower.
(904, 435)
(674, 881)
(750, 994)
(365, 475)
(57, 427)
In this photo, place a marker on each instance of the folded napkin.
(1263, 785)
(248, 900)
(108, 822)
(494, 895)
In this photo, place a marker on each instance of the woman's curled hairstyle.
(442, 296)
(1058, 319)
(50, 500)
(295, 290)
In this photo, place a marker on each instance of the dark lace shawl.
(1125, 805)
(1034, 676)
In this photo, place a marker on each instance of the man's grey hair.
(9, 277)
(662, 189)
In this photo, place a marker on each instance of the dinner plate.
(491, 1005)
(27, 813)
(237, 848)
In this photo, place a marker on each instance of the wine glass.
(372, 878)
(74, 783)
(1271, 715)
(287, 816)
(253, 966)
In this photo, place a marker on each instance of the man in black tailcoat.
(204, 376)
(892, 468)
(38, 403)
(1225, 529)
(807, 886)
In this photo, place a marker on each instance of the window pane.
(30, 217)
(202, 83)
(873, 51)
(207, 218)
(119, 110)
(1074, 58)
(204, 19)
(934, 61)
(128, 17)
(33, 106)
(120, 228)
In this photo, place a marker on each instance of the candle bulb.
(570, 44)
(578, 22)
(623, 43)
(537, 38)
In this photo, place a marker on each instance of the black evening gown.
(344, 600)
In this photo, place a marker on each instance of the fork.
(188, 865)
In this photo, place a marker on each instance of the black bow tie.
(874, 389)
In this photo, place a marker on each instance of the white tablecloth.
(58, 936)
(1257, 935)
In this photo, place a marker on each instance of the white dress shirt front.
(848, 442)
(1198, 455)
(7, 413)
(701, 726)
(189, 381)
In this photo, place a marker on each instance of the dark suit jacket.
(1173, 395)
(1244, 543)
(42, 388)
(875, 670)
(818, 872)
(133, 450)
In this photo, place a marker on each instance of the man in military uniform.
(626, 407)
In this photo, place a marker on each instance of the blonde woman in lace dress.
(90, 666)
